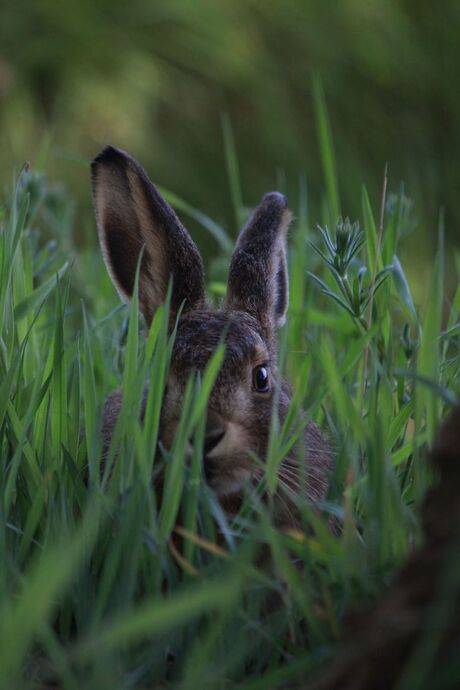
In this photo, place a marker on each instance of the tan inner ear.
(155, 268)
(130, 212)
(280, 261)
(281, 291)
(110, 200)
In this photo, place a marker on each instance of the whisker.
(290, 476)
(284, 502)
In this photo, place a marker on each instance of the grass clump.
(98, 587)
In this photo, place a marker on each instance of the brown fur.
(131, 214)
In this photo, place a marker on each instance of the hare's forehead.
(199, 334)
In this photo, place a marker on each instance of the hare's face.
(132, 217)
(240, 403)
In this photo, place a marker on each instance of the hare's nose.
(215, 431)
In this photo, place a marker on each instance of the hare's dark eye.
(260, 379)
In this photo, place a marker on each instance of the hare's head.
(131, 215)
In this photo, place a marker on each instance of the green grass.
(97, 590)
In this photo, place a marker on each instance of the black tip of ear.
(271, 215)
(109, 155)
(275, 199)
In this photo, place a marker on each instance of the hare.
(131, 215)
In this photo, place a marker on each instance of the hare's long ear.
(131, 214)
(258, 279)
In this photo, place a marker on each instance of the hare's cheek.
(237, 438)
(232, 404)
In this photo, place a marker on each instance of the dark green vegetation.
(154, 78)
(97, 588)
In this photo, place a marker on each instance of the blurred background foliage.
(155, 78)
